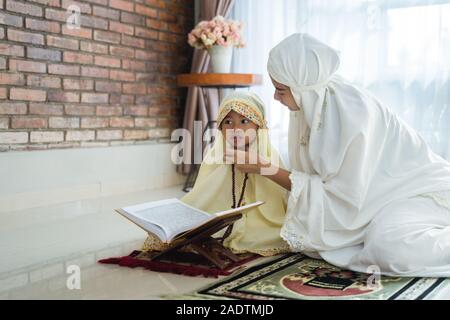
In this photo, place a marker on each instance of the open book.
(172, 219)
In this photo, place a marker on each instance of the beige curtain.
(197, 108)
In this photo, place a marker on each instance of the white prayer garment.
(366, 188)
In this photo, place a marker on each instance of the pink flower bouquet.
(216, 32)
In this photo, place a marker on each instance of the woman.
(366, 192)
(242, 126)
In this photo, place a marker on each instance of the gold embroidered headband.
(244, 108)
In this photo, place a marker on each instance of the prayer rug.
(184, 263)
(295, 276)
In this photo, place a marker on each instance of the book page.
(172, 217)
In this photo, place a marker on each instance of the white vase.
(221, 58)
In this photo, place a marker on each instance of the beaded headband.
(244, 108)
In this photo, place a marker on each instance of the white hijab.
(361, 155)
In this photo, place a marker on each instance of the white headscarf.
(362, 155)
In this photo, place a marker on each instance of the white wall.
(37, 178)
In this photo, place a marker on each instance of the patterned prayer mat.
(295, 276)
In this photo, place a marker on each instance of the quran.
(172, 219)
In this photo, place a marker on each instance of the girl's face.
(284, 95)
(238, 131)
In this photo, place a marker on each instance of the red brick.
(135, 111)
(119, 122)
(43, 81)
(80, 135)
(134, 88)
(27, 94)
(12, 50)
(27, 66)
(132, 41)
(117, 98)
(108, 86)
(122, 75)
(92, 122)
(145, 122)
(75, 57)
(47, 26)
(80, 110)
(94, 72)
(78, 84)
(106, 36)
(84, 7)
(27, 9)
(150, 12)
(13, 108)
(81, 32)
(156, 24)
(28, 37)
(146, 33)
(64, 69)
(108, 111)
(94, 22)
(54, 14)
(3, 93)
(51, 3)
(13, 137)
(107, 62)
(94, 97)
(46, 136)
(122, 5)
(46, 109)
(132, 18)
(133, 65)
(11, 20)
(43, 54)
(109, 134)
(163, 16)
(106, 13)
(63, 96)
(146, 55)
(135, 134)
(63, 122)
(28, 123)
(121, 51)
(4, 123)
(94, 47)
(12, 78)
(121, 27)
(59, 42)
(159, 133)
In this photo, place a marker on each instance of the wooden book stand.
(202, 243)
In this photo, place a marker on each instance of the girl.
(219, 186)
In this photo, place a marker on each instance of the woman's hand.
(246, 162)
(249, 163)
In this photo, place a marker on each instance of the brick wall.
(110, 82)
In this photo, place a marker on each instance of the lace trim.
(442, 198)
(296, 188)
(291, 237)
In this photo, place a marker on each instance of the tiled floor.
(38, 245)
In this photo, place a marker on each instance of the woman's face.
(284, 95)
(238, 131)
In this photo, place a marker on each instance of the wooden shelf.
(219, 79)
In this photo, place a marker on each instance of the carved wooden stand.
(204, 244)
